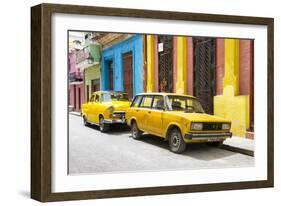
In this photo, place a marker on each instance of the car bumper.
(115, 121)
(208, 136)
(117, 117)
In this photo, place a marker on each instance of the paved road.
(91, 151)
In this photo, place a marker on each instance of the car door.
(142, 112)
(90, 109)
(96, 108)
(93, 108)
(133, 110)
(155, 116)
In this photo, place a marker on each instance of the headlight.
(225, 126)
(196, 126)
(110, 109)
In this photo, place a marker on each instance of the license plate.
(214, 139)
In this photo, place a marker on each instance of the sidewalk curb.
(237, 149)
(75, 113)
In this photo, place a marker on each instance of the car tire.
(215, 144)
(85, 122)
(135, 132)
(103, 126)
(176, 142)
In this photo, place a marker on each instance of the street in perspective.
(91, 151)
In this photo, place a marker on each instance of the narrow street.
(91, 151)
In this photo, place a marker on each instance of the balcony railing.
(75, 76)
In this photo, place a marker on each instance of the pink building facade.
(76, 87)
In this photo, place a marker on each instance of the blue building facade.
(114, 56)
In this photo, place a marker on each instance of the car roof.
(164, 94)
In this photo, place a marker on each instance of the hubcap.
(175, 140)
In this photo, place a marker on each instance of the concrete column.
(189, 73)
(156, 66)
(150, 63)
(175, 64)
(219, 65)
(246, 61)
(181, 65)
(118, 81)
(231, 75)
(230, 104)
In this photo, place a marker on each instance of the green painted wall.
(91, 73)
(95, 52)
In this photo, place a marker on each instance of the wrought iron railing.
(75, 76)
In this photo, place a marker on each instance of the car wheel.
(85, 122)
(136, 133)
(103, 126)
(215, 144)
(176, 142)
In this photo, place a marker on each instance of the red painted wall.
(71, 96)
(245, 67)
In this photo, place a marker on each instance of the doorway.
(128, 74)
(110, 75)
(204, 50)
(165, 63)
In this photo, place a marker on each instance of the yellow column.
(181, 65)
(231, 75)
(150, 63)
(230, 104)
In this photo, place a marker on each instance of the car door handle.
(137, 110)
(149, 112)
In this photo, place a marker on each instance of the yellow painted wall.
(150, 63)
(230, 105)
(181, 83)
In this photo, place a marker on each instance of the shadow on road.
(200, 151)
(114, 129)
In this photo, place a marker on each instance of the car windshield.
(183, 103)
(114, 96)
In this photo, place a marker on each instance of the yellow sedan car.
(179, 119)
(105, 108)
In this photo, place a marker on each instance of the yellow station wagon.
(105, 108)
(180, 119)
